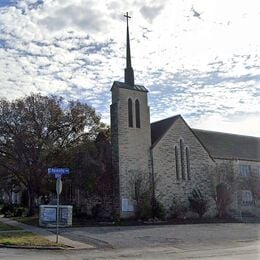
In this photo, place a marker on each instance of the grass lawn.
(76, 222)
(86, 222)
(33, 221)
(5, 227)
(25, 239)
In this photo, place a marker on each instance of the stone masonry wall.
(133, 144)
(115, 158)
(167, 185)
(236, 183)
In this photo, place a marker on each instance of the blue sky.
(198, 58)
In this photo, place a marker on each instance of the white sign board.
(127, 206)
(124, 204)
(49, 214)
(64, 213)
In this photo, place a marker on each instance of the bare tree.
(225, 183)
(140, 190)
(35, 133)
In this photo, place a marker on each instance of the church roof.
(219, 145)
(230, 146)
(127, 86)
(159, 128)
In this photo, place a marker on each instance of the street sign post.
(58, 186)
(58, 172)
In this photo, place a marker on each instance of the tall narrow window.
(245, 170)
(247, 197)
(137, 113)
(177, 163)
(188, 162)
(182, 160)
(130, 112)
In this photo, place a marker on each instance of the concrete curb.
(45, 247)
(34, 247)
(53, 248)
(71, 244)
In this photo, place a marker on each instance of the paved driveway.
(178, 236)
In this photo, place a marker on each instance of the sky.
(197, 58)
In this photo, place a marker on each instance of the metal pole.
(57, 213)
(153, 185)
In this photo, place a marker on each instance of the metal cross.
(127, 16)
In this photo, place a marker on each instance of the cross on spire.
(127, 17)
(129, 73)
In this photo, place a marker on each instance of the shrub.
(158, 211)
(18, 211)
(145, 206)
(12, 210)
(7, 207)
(177, 209)
(151, 208)
(198, 203)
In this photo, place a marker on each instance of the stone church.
(176, 158)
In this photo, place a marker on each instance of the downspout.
(153, 183)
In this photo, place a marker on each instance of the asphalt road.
(212, 241)
(180, 236)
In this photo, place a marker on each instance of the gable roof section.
(127, 86)
(159, 128)
(230, 146)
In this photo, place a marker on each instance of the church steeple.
(129, 72)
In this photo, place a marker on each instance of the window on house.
(246, 196)
(137, 113)
(182, 160)
(258, 171)
(245, 170)
(130, 112)
(188, 162)
(177, 163)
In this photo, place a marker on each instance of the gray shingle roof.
(126, 86)
(230, 146)
(159, 128)
(219, 145)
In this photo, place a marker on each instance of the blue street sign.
(58, 172)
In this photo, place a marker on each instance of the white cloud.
(151, 12)
(206, 69)
(241, 124)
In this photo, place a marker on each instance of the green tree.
(35, 133)
(91, 167)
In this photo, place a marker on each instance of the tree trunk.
(31, 197)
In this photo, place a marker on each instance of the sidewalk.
(47, 234)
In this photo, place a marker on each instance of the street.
(202, 241)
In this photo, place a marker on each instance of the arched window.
(182, 160)
(137, 114)
(130, 112)
(188, 162)
(177, 163)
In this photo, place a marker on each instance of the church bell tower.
(131, 136)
